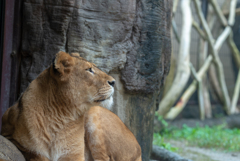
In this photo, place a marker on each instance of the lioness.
(47, 123)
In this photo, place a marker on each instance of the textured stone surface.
(8, 151)
(100, 30)
(136, 111)
(148, 61)
(119, 34)
(129, 39)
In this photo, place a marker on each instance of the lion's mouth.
(100, 100)
(103, 99)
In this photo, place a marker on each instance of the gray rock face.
(8, 151)
(133, 36)
(100, 30)
(129, 39)
(148, 61)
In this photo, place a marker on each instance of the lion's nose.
(111, 83)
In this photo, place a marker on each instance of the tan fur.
(47, 123)
(108, 139)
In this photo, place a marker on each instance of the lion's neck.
(61, 100)
(61, 104)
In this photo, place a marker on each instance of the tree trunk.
(130, 40)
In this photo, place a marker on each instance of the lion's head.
(74, 82)
(87, 83)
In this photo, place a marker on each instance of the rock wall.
(129, 39)
(8, 151)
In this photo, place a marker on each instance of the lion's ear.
(63, 64)
(75, 54)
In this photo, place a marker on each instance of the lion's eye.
(90, 70)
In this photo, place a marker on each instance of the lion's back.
(9, 120)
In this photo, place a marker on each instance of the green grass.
(216, 137)
(159, 140)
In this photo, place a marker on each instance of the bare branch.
(222, 38)
(200, 91)
(172, 114)
(236, 94)
(201, 100)
(200, 31)
(183, 71)
(219, 12)
(237, 12)
(214, 53)
(214, 46)
(174, 26)
(194, 73)
(231, 19)
(234, 49)
(175, 4)
(215, 83)
(204, 93)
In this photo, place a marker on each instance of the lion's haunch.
(108, 138)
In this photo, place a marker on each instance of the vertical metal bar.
(2, 10)
(2, 7)
(6, 58)
(16, 56)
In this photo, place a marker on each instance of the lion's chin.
(107, 103)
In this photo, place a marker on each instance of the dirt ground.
(202, 154)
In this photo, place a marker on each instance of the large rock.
(100, 30)
(8, 151)
(128, 39)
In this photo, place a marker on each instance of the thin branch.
(198, 29)
(174, 26)
(236, 94)
(234, 49)
(173, 113)
(214, 18)
(232, 45)
(191, 89)
(183, 71)
(194, 73)
(175, 4)
(237, 12)
(204, 93)
(214, 47)
(201, 100)
(216, 58)
(222, 38)
(231, 19)
(219, 12)
(215, 84)
(200, 91)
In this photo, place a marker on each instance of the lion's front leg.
(39, 159)
(34, 157)
(107, 159)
